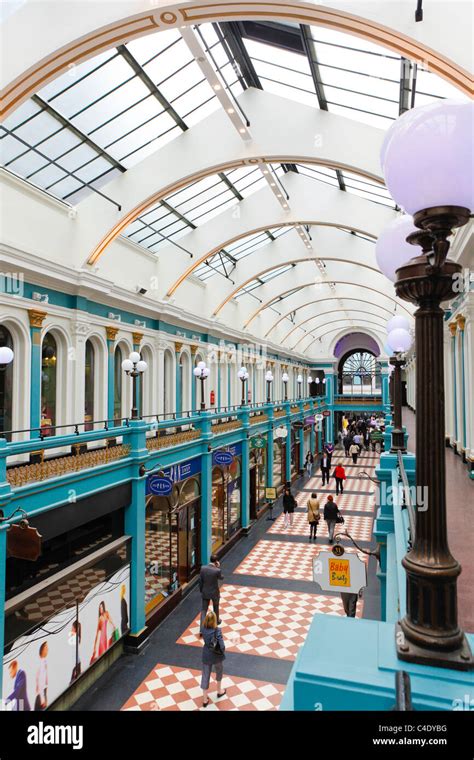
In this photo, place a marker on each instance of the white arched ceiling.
(298, 312)
(322, 329)
(282, 131)
(323, 346)
(261, 318)
(307, 324)
(57, 35)
(311, 203)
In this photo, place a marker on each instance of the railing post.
(269, 475)
(245, 495)
(206, 489)
(287, 406)
(135, 527)
(5, 496)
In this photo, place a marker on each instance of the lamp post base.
(459, 659)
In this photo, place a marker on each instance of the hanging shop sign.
(159, 485)
(319, 418)
(298, 425)
(339, 572)
(326, 413)
(222, 457)
(280, 432)
(258, 442)
(309, 420)
(23, 541)
(174, 474)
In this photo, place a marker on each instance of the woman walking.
(313, 515)
(289, 505)
(309, 463)
(340, 476)
(354, 452)
(213, 656)
(331, 513)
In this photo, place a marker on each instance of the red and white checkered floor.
(266, 622)
(263, 621)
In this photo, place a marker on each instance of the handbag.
(340, 519)
(215, 646)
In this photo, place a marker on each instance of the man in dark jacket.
(325, 466)
(330, 515)
(19, 695)
(209, 578)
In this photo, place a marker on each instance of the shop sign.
(319, 417)
(309, 420)
(184, 470)
(326, 413)
(159, 485)
(298, 425)
(23, 541)
(346, 573)
(280, 432)
(258, 442)
(222, 457)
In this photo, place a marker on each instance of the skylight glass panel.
(433, 86)
(283, 72)
(321, 173)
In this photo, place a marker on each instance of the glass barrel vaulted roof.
(113, 111)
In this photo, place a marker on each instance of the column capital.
(137, 337)
(178, 346)
(453, 326)
(461, 321)
(36, 317)
(111, 332)
(194, 350)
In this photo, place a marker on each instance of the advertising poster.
(42, 664)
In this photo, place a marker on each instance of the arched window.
(168, 383)
(6, 386)
(49, 372)
(118, 384)
(89, 388)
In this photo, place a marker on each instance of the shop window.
(6, 387)
(172, 541)
(278, 464)
(49, 371)
(89, 388)
(226, 502)
(118, 384)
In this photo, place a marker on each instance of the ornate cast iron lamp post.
(400, 341)
(134, 367)
(426, 159)
(202, 372)
(269, 381)
(243, 376)
(284, 379)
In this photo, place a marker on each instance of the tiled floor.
(268, 600)
(172, 688)
(266, 622)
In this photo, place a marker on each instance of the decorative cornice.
(36, 317)
(111, 332)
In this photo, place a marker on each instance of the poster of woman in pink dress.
(101, 633)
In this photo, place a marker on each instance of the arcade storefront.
(226, 495)
(258, 475)
(172, 533)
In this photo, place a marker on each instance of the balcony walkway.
(460, 506)
(268, 600)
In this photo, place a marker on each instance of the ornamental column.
(137, 339)
(111, 333)
(36, 323)
(178, 378)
